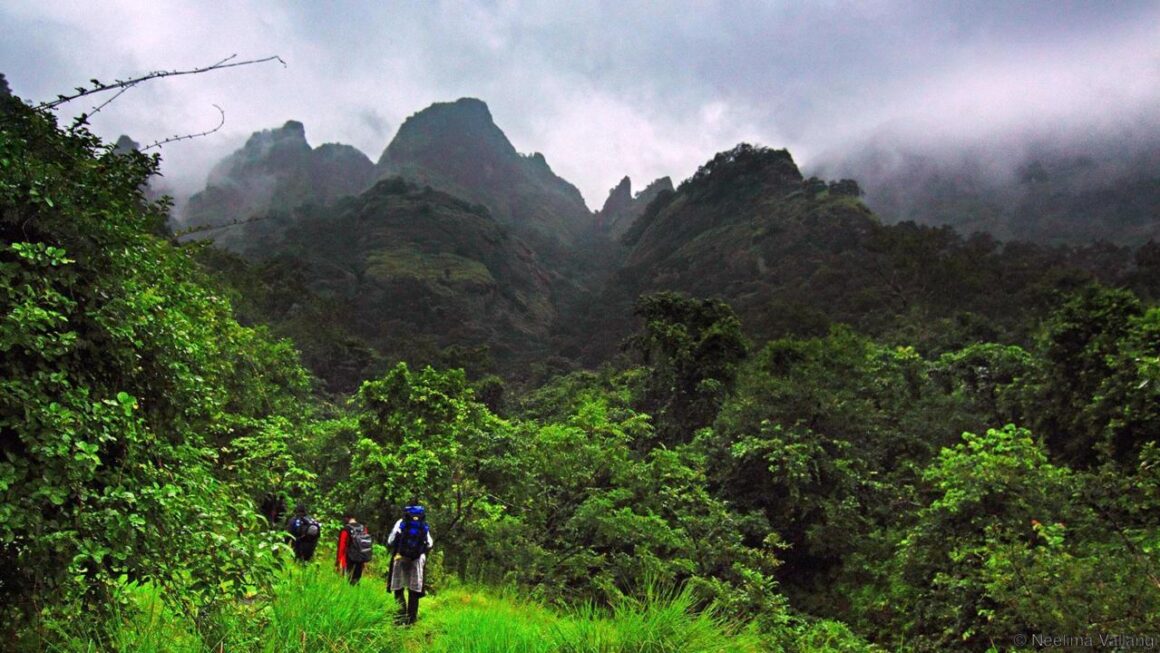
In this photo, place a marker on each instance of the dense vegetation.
(785, 489)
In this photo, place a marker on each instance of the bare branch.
(185, 137)
(109, 101)
(101, 87)
(188, 231)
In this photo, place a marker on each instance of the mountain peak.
(457, 148)
(125, 144)
(618, 198)
(294, 128)
(744, 169)
(467, 106)
(622, 208)
(277, 169)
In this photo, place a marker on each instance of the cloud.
(607, 88)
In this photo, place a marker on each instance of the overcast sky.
(603, 89)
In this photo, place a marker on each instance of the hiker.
(273, 505)
(355, 547)
(410, 540)
(304, 531)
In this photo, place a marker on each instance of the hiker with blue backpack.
(410, 541)
(304, 531)
(355, 548)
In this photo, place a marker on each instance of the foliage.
(819, 444)
(128, 394)
(734, 171)
(1093, 397)
(420, 435)
(1012, 544)
(691, 348)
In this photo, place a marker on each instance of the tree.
(1011, 544)
(125, 393)
(1094, 348)
(692, 348)
(820, 443)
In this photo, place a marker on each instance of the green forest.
(909, 440)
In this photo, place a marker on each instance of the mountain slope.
(406, 271)
(794, 255)
(1107, 188)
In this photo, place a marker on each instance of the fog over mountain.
(606, 89)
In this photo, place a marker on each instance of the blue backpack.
(412, 541)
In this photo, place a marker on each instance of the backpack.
(359, 545)
(412, 541)
(309, 529)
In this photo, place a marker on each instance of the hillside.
(398, 272)
(794, 255)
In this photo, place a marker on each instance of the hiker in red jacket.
(354, 549)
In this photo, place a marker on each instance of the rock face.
(622, 208)
(277, 170)
(457, 147)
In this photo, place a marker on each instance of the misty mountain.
(622, 208)
(475, 245)
(794, 255)
(457, 147)
(276, 170)
(1046, 191)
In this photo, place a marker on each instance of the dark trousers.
(409, 609)
(304, 551)
(354, 571)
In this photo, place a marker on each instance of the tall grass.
(663, 622)
(317, 610)
(313, 609)
(478, 622)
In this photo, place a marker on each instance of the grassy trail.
(314, 610)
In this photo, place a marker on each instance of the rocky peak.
(457, 148)
(655, 188)
(462, 127)
(618, 198)
(622, 208)
(277, 169)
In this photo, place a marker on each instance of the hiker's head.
(300, 509)
(414, 511)
(348, 518)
